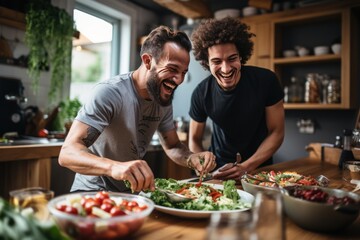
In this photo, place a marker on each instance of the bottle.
(296, 91)
(346, 153)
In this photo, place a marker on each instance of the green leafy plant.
(69, 108)
(49, 32)
(67, 111)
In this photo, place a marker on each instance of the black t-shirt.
(238, 116)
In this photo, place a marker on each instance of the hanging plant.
(48, 35)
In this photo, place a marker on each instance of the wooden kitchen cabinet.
(262, 45)
(310, 27)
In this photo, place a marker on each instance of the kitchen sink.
(28, 140)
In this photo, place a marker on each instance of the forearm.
(79, 158)
(196, 146)
(179, 153)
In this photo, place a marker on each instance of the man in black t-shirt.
(245, 103)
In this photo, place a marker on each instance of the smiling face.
(167, 73)
(225, 65)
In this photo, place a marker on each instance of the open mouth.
(227, 76)
(169, 87)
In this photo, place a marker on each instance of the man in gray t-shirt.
(112, 131)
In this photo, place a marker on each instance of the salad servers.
(174, 197)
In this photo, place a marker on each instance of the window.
(95, 55)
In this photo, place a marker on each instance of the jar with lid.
(312, 89)
(295, 91)
(333, 92)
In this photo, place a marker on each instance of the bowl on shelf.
(321, 50)
(249, 11)
(83, 216)
(331, 212)
(302, 51)
(228, 12)
(289, 53)
(336, 48)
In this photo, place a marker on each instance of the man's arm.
(76, 156)
(196, 133)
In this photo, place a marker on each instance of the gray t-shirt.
(126, 123)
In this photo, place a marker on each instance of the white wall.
(135, 24)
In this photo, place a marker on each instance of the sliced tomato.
(101, 196)
(117, 211)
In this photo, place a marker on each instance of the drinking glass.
(32, 199)
(231, 226)
(268, 215)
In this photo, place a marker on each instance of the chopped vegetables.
(286, 178)
(205, 197)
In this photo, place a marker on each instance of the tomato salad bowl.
(100, 215)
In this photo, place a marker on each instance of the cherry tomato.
(89, 204)
(71, 210)
(86, 229)
(109, 201)
(121, 229)
(101, 196)
(43, 133)
(117, 211)
(132, 204)
(106, 206)
(61, 208)
(124, 203)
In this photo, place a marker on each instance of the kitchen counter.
(30, 165)
(162, 226)
(24, 166)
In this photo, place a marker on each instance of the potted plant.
(49, 32)
(66, 111)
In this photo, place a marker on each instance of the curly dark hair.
(157, 38)
(227, 30)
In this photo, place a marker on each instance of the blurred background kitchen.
(312, 45)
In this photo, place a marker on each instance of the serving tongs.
(174, 197)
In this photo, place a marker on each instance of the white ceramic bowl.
(289, 53)
(249, 11)
(303, 52)
(321, 50)
(87, 227)
(230, 12)
(336, 48)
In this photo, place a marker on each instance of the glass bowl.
(94, 227)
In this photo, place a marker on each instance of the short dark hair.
(157, 38)
(211, 32)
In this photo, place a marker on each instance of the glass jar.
(312, 89)
(333, 92)
(295, 91)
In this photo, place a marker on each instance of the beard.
(154, 88)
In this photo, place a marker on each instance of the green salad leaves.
(206, 197)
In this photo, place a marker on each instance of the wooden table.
(163, 226)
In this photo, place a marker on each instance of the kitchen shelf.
(307, 59)
(12, 18)
(311, 106)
